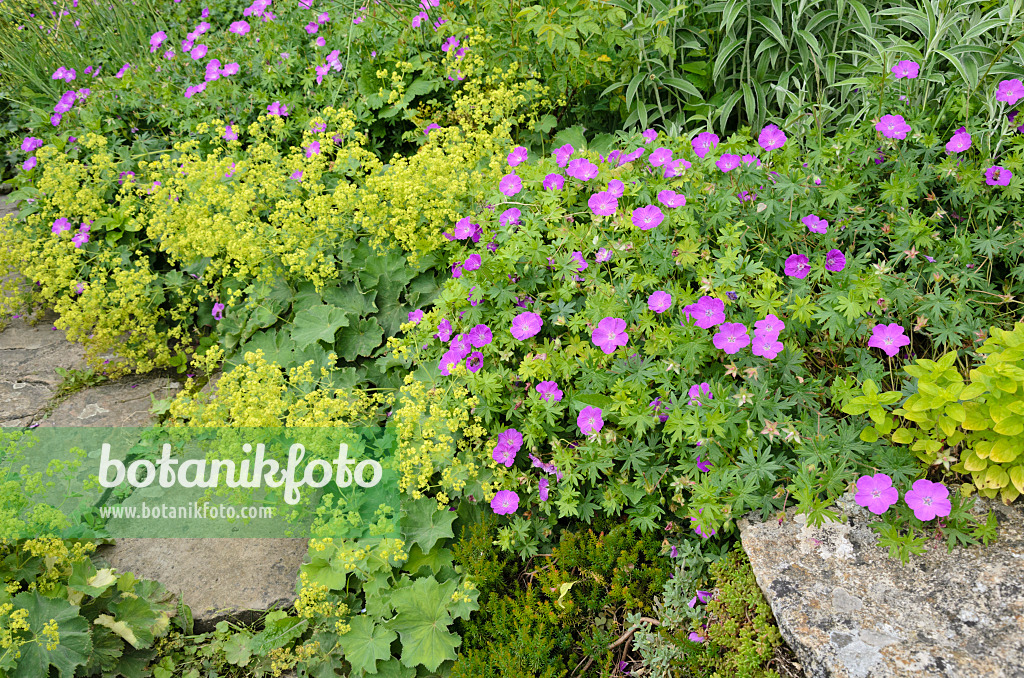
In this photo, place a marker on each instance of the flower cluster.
(928, 500)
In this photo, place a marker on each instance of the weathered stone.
(849, 610)
(236, 579)
(125, 402)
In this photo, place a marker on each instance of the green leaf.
(423, 620)
(318, 323)
(75, 642)
(424, 524)
(435, 559)
(136, 618)
(366, 643)
(359, 339)
(237, 650)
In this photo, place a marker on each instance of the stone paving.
(218, 578)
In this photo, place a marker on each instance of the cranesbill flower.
(704, 466)
(428, 128)
(472, 262)
(670, 198)
(604, 254)
(998, 176)
(700, 533)
(444, 330)
(609, 334)
(60, 225)
(239, 27)
(313, 149)
(464, 228)
(589, 420)
(961, 141)
(480, 336)
(906, 69)
(562, 154)
(526, 325)
(517, 156)
(218, 311)
(698, 391)
(603, 203)
(230, 134)
(704, 142)
(646, 218)
(510, 184)
(928, 500)
(750, 160)
(277, 108)
(616, 188)
(155, 41)
(815, 224)
(659, 156)
(553, 182)
(706, 312)
(450, 44)
(876, 493)
(505, 502)
(30, 144)
(893, 127)
(727, 162)
(771, 137)
(296, 175)
(890, 338)
(675, 168)
(542, 489)
(509, 216)
(81, 237)
(29, 164)
(549, 391)
(766, 345)
(835, 261)
(582, 169)
(475, 361)
(1010, 91)
(448, 362)
(731, 337)
(702, 597)
(649, 136)
(771, 326)
(415, 316)
(581, 262)
(659, 302)
(797, 266)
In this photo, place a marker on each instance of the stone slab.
(235, 579)
(125, 402)
(849, 610)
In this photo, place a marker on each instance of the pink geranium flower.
(731, 337)
(771, 137)
(589, 420)
(609, 334)
(890, 338)
(1010, 91)
(659, 302)
(906, 69)
(893, 127)
(928, 500)
(646, 218)
(815, 224)
(797, 266)
(876, 493)
(998, 176)
(603, 203)
(526, 325)
(704, 142)
(505, 502)
(510, 184)
(706, 312)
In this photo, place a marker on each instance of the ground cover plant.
(601, 342)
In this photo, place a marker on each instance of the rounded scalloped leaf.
(75, 644)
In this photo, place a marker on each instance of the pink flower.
(771, 137)
(542, 489)
(698, 391)
(505, 502)
(509, 442)
(797, 266)
(659, 302)
(562, 154)
(876, 493)
(582, 169)
(928, 500)
(526, 325)
(704, 142)
(581, 262)
(517, 156)
(771, 326)
(815, 224)
(239, 27)
(706, 312)
(750, 160)
(659, 157)
(670, 198)
(727, 162)
(835, 261)
(1010, 91)
(603, 203)
(646, 218)
(277, 108)
(431, 126)
(893, 127)
(766, 345)
(649, 136)
(616, 188)
(998, 176)
(890, 338)
(731, 337)
(549, 391)
(553, 182)
(906, 69)
(589, 420)
(609, 334)
(961, 141)
(510, 184)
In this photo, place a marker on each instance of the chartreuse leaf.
(424, 524)
(366, 643)
(133, 620)
(75, 642)
(423, 620)
(317, 323)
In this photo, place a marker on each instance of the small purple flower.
(835, 261)
(906, 69)
(704, 466)
(998, 176)
(415, 316)
(505, 502)
(609, 334)
(30, 144)
(670, 198)
(959, 142)
(696, 528)
(444, 330)
(239, 27)
(472, 262)
(475, 361)
(727, 162)
(603, 204)
(771, 326)
(750, 160)
(563, 154)
(480, 336)
(706, 312)
(893, 127)
(603, 255)
(296, 175)
(589, 420)
(649, 136)
(218, 311)
(509, 217)
(890, 338)
(704, 142)
(876, 493)
(517, 156)
(702, 597)
(526, 325)
(510, 184)
(581, 263)
(277, 108)
(60, 225)
(694, 636)
(509, 442)
(698, 391)
(648, 217)
(582, 169)
(1010, 91)
(230, 134)
(771, 137)
(313, 149)
(766, 346)
(29, 164)
(659, 302)
(553, 182)
(542, 489)
(432, 126)
(659, 157)
(928, 500)
(815, 224)
(797, 266)
(549, 391)
(731, 337)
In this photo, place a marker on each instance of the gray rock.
(851, 611)
(234, 579)
(125, 402)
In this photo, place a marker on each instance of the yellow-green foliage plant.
(979, 422)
